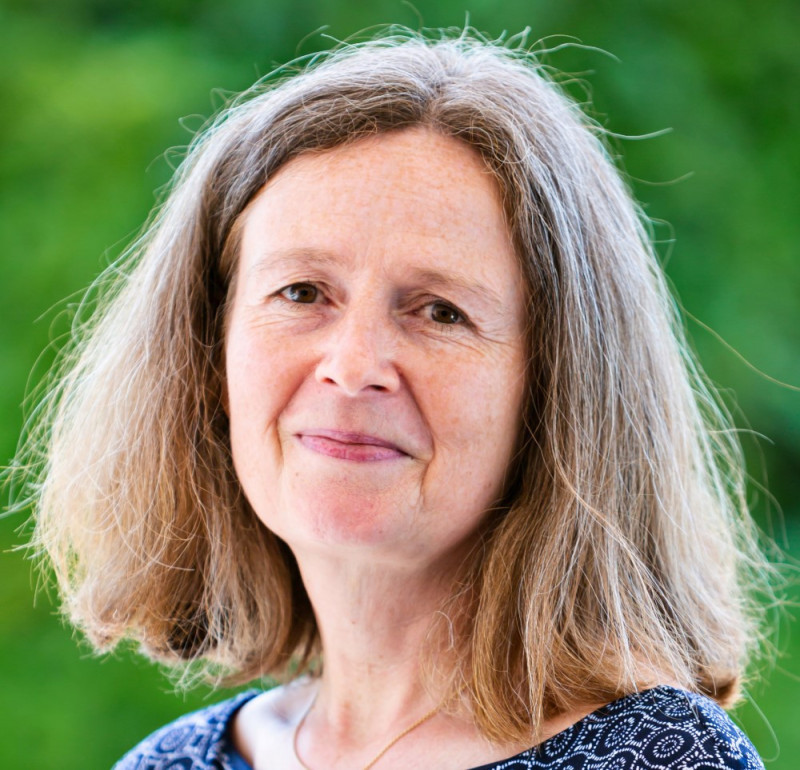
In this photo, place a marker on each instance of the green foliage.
(92, 93)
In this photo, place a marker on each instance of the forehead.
(410, 197)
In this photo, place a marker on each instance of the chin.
(326, 518)
(349, 525)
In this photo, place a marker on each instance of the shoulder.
(659, 728)
(265, 725)
(195, 740)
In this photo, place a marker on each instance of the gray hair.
(623, 554)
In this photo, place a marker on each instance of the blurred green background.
(92, 92)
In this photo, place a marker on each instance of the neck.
(374, 620)
(376, 703)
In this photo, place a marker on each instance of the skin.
(374, 363)
(411, 341)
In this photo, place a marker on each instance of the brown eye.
(301, 292)
(444, 314)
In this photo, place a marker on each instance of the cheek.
(475, 416)
(484, 395)
(261, 370)
(260, 380)
(250, 384)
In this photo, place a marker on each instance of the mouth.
(348, 445)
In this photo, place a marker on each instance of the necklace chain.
(432, 713)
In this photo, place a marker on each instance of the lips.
(349, 445)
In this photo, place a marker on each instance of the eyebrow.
(447, 279)
(290, 257)
(429, 277)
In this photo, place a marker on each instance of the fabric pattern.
(196, 741)
(659, 729)
(652, 730)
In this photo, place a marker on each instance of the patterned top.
(659, 729)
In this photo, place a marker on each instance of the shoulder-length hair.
(622, 555)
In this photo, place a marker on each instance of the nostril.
(375, 387)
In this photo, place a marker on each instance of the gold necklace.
(432, 713)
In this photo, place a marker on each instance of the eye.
(304, 293)
(442, 313)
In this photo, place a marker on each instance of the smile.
(344, 445)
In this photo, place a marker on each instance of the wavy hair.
(623, 553)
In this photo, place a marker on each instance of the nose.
(358, 354)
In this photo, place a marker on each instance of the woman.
(392, 397)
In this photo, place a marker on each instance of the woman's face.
(375, 348)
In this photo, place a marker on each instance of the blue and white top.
(659, 729)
